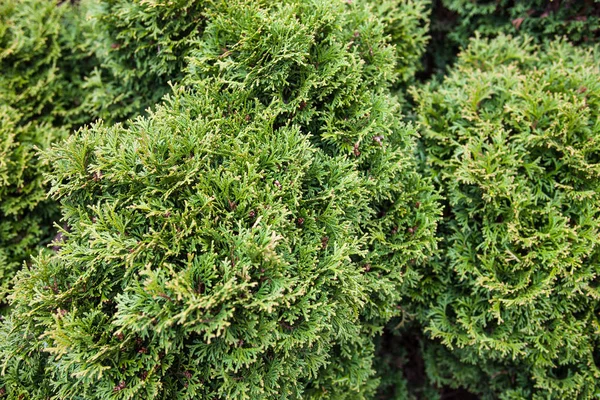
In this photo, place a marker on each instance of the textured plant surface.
(406, 22)
(454, 22)
(53, 56)
(542, 19)
(36, 96)
(511, 136)
(248, 238)
(328, 65)
(25, 216)
(216, 264)
(140, 48)
(242, 212)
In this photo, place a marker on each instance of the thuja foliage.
(218, 264)
(511, 136)
(194, 267)
(542, 19)
(72, 64)
(32, 49)
(454, 23)
(371, 35)
(245, 240)
(25, 216)
(65, 64)
(406, 22)
(36, 98)
(329, 65)
(140, 48)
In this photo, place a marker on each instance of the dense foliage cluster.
(139, 48)
(25, 216)
(577, 20)
(406, 23)
(210, 265)
(70, 64)
(35, 95)
(333, 82)
(248, 238)
(226, 199)
(512, 138)
(455, 22)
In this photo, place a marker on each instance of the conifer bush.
(330, 65)
(247, 238)
(216, 264)
(37, 93)
(43, 66)
(541, 19)
(455, 22)
(512, 139)
(140, 49)
(406, 22)
(30, 50)
(25, 216)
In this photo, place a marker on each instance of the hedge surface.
(245, 240)
(225, 199)
(511, 137)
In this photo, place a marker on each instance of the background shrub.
(511, 136)
(454, 23)
(39, 83)
(39, 76)
(406, 22)
(25, 215)
(541, 19)
(139, 48)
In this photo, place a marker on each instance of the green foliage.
(196, 267)
(512, 139)
(41, 68)
(406, 22)
(29, 53)
(36, 96)
(244, 241)
(455, 22)
(25, 216)
(541, 19)
(139, 47)
(328, 65)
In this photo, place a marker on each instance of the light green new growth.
(512, 138)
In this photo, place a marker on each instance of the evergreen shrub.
(65, 64)
(139, 48)
(512, 139)
(26, 216)
(541, 19)
(406, 22)
(330, 66)
(244, 241)
(208, 253)
(36, 98)
(33, 52)
(454, 23)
